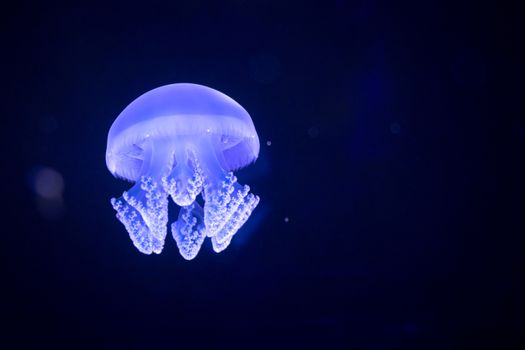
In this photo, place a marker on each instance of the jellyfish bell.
(179, 141)
(177, 110)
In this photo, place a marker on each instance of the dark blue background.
(394, 133)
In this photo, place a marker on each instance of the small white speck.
(147, 135)
(208, 130)
(268, 143)
(286, 219)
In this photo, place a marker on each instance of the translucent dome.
(181, 110)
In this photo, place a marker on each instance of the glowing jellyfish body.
(179, 141)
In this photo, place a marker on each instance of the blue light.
(182, 141)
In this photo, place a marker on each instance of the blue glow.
(182, 141)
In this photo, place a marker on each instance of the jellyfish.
(182, 141)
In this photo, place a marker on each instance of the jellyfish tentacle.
(183, 172)
(227, 203)
(217, 185)
(238, 217)
(155, 212)
(184, 183)
(136, 227)
(217, 194)
(144, 212)
(189, 231)
(219, 247)
(144, 208)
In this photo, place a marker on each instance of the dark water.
(391, 216)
